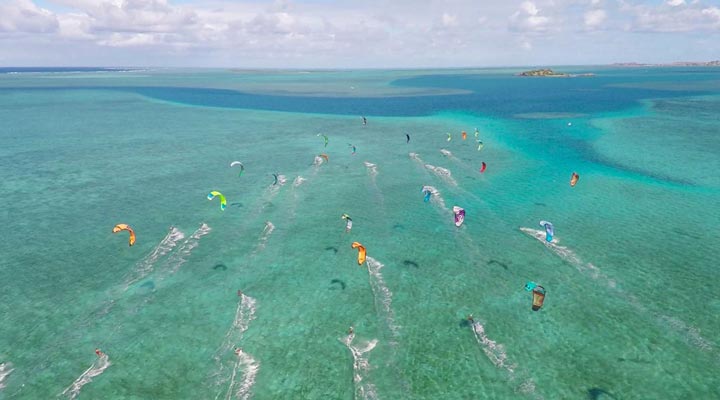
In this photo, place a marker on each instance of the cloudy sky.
(360, 33)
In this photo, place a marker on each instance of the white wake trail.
(437, 198)
(272, 191)
(292, 208)
(180, 257)
(383, 297)
(264, 236)
(371, 168)
(298, 181)
(494, 351)
(5, 370)
(142, 269)
(145, 266)
(97, 368)
(364, 390)
(562, 251)
(446, 153)
(689, 333)
(244, 314)
(318, 161)
(250, 366)
(442, 173)
(373, 172)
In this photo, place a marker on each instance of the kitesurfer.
(364, 120)
(407, 135)
(240, 293)
(238, 350)
(574, 178)
(99, 353)
(470, 318)
(351, 330)
(349, 222)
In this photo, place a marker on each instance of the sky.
(356, 34)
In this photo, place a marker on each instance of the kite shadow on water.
(464, 323)
(500, 263)
(334, 249)
(237, 204)
(338, 281)
(634, 360)
(599, 394)
(411, 263)
(220, 267)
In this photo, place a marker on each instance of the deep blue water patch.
(504, 95)
(496, 95)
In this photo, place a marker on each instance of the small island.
(550, 73)
(541, 72)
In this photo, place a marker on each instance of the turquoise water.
(631, 310)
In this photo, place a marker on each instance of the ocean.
(257, 300)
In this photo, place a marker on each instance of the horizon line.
(408, 68)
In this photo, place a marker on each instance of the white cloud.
(694, 17)
(340, 32)
(595, 18)
(675, 3)
(73, 26)
(529, 7)
(23, 16)
(528, 19)
(449, 20)
(713, 13)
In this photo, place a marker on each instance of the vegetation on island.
(541, 72)
(549, 72)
